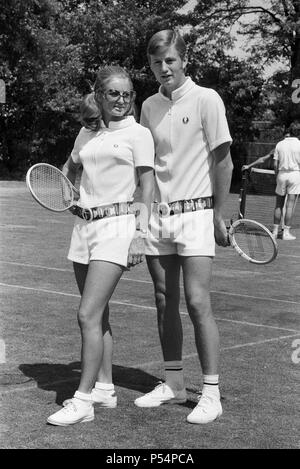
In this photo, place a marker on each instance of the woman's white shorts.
(107, 239)
(288, 182)
(185, 234)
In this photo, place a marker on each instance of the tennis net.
(259, 192)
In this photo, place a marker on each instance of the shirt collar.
(122, 124)
(179, 92)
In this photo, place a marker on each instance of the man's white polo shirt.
(110, 158)
(185, 129)
(287, 152)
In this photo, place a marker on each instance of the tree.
(51, 50)
(273, 32)
(41, 70)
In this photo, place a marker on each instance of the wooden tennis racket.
(51, 188)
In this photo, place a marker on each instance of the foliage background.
(50, 51)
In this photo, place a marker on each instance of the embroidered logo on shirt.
(185, 120)
(116, 146)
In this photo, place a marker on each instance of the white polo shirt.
(185, 129)
(109, 158)
(287, 152)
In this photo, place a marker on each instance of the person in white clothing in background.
(287, 169)
(115, 153)
(193, 171)
(286, 163)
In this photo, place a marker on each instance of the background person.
(286, 163)
(193, 172)
(115, 153)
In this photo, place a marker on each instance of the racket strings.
(51, 188)
(255, 242)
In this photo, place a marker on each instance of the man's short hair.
(166, 38)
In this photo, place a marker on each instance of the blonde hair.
(90, 114)
(104, 74)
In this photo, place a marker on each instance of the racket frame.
(68, 182)
(234, 244)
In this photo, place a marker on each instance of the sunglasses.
(115, 95)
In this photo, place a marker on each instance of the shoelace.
(70, 407)
(162, 385)
(204, 402)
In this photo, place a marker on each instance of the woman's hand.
(136, 251)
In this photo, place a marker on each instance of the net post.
(242, 195)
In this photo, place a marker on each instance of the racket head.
(50, 187)
(253, 241)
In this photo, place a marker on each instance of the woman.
(115, 153)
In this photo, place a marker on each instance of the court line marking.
(144, 365)
(222, 349)
(242, 295)
(153, 308)
(7, 226)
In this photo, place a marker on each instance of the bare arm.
(146, 178)
(260, 160)
(137, 248)
(70, 169)
(222, 173)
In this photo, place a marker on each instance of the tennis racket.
(252, 241)
(51, 188)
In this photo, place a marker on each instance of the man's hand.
(221, 234)
(136, 251)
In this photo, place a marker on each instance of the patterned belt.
(96, 213)
(182, 206)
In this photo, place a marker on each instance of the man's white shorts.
(288, 182)
(107, 239)
(185, 234)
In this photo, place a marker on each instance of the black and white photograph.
(150, 227)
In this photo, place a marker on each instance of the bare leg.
(105, 371)
(97, 283)
(197, 276)
(165, 271)
(278, 208)
(290, 206)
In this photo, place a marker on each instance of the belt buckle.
(163, 209)
(87, 214)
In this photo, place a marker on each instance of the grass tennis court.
(257, 311)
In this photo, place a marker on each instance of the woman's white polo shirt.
(109, 159)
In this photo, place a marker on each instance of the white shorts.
(185, 234)
(288, 182)
(107, 239)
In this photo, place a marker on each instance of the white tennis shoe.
(287, 236)
(161, 394)
(75, 411)
(206, 411)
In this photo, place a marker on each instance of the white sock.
(174, 374)
(83, 397)
(286, 228)
(104, 386)
(211, 385)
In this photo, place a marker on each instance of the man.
(287, 168)
(193, 170)
(286, 162)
